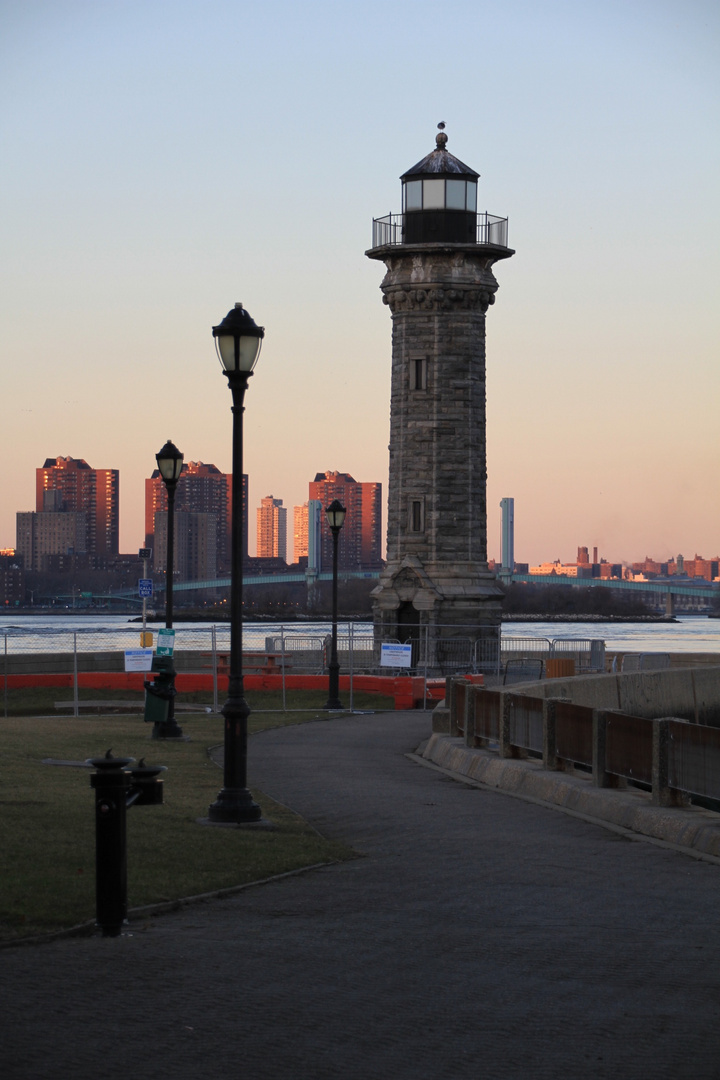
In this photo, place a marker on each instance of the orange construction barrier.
(409, 691)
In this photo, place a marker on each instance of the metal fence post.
(76, 704)
(6, 677)
(350, 660)
(213, 648)
(662, 793)
(282, 662)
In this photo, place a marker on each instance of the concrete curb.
(692, 829)
(148, 911)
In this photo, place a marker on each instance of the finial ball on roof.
(441, 139)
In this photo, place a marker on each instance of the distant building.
(360, 541)
(69, 485)
(558, 569)
(42, 537)
(307, 533)
(12, 580)
(272, 529)
(508, 534)
(195, 545)
(703, 568)
(300, 532)
(201, 489)
(610, 570)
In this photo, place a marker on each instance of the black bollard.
(111, 783)
(116, 788)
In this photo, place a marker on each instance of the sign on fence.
(138, 659)
(166, 642)
(394, 655)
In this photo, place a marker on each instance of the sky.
(160, 161)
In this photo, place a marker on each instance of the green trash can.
(160, 691)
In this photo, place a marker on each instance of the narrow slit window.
(416, 516)
(418, 374)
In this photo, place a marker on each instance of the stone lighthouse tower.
(436, 589)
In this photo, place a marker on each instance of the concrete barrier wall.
(690, 694)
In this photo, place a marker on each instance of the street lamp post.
(170, 463)
(237, 341)
(335, 516)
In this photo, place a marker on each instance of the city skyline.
(127, 236)
(204, 490)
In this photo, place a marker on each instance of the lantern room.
(439, 198)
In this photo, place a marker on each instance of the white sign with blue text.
(394, 655)
(138, 659)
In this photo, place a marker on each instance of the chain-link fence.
(77, 662)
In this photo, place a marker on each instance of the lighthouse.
(436, 589)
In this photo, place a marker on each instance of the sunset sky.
(161, 160)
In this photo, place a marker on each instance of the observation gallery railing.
(390, 230)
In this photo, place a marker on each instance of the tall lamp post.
(335, 517)
(237, 341)
(170, 463)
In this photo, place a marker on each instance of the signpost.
(138, 659)
(395, 655)
(145, 591)
(166, 642)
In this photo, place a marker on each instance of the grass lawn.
(47, 823)
(40, 700)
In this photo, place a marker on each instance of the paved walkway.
(479, 936)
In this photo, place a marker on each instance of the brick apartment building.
(272, 529)
(67, 485)
(360, 542)
(201, 489)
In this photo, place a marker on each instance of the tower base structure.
(450, 614)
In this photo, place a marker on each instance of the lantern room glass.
(455, 195)
(436, 194)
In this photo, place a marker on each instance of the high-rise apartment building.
(300, 532)
(194, 548)
(201, 489)
(507, 506)
(69, 485)
(272, 529)
(307, 533)
(360, 540)
(41, 537)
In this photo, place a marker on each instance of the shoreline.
(573, 618)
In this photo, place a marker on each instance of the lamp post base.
(233, 805)
(169, 729)
(333, 701)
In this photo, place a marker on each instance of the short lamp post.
(170, 463)
(335, 516)
(237, 341)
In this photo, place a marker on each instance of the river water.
(49, 633)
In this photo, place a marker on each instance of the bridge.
(684, 587)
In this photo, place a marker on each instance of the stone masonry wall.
(437, 515)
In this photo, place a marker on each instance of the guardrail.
(389, 231)
(673, 758)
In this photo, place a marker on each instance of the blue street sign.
(145, 588)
